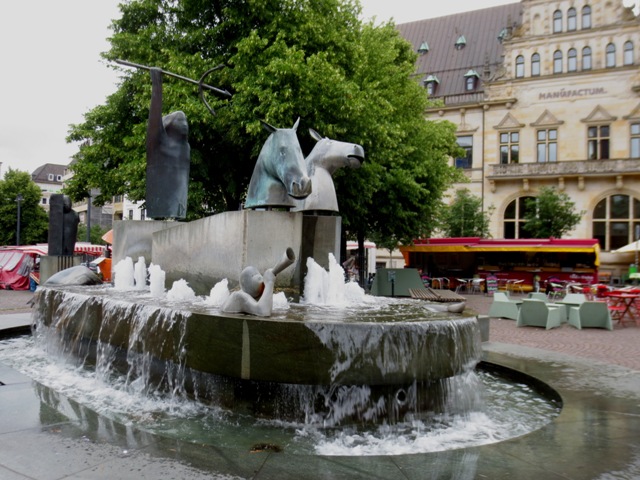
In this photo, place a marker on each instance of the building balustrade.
(569, 168)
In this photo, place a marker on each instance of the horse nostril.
(301, 188)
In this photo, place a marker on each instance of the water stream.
(480, 407)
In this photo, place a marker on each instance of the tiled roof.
(41, 174)
(480, 28)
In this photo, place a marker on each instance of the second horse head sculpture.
(280, 174)
(326, 157)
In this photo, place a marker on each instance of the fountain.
(318, 360)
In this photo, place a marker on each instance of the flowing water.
(480, 406)
(503, 409)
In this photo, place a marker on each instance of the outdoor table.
(627, 300)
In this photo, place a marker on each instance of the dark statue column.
(63, 225)
(168, 158)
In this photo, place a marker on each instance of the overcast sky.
(52, 73)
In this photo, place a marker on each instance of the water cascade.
(318, 366)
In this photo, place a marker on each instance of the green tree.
(95, 235)
(34, 221)
(465, 217)
(550, 214)
(284, 59)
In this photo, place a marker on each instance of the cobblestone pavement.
(619, 347)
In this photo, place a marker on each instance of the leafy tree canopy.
(34, 221)
(464, 217)
(95, 234)
(550, 214)
(284, 59)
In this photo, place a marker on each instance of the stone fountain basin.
(394, 345)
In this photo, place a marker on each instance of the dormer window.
(461, 42)
(471, 80)
(424, 48)
(50, 177)
(431, 84)
(502, 35)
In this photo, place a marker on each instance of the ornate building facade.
(544, 93)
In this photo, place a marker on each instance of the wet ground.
(597, 435)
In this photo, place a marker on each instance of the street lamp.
(19, 199)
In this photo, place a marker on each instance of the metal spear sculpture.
(168, 150)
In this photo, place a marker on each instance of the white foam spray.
(140, 274)
(156, 280)
(123, 274)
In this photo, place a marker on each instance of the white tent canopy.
(630, 248)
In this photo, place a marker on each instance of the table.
(627, 300)
(463, 285)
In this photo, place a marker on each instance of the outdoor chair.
(536, 313)
(516, 286)
(575, 299)
(591, 314)
(538, 296)
(502, 307)
(557, 291)
(477, 285)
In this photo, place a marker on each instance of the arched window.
(557, 61)
(586, 17)
(519, 66)
(628, 53)
(611, 55)
(535, 65)
(586, 58)
(614, 221)
(557, 21)
(572, 22)
(572, 60)
(514, 218)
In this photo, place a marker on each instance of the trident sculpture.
(168, 150)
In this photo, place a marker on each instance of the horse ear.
(295, 125)
(267, 127)
(315, 135)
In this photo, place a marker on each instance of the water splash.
(323, 287)
(123, 274)
(140, 274)
(156, 280)
(181, 292)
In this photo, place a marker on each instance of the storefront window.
(614, 221)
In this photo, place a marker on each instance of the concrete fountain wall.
(333, 351)
(205, 251)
